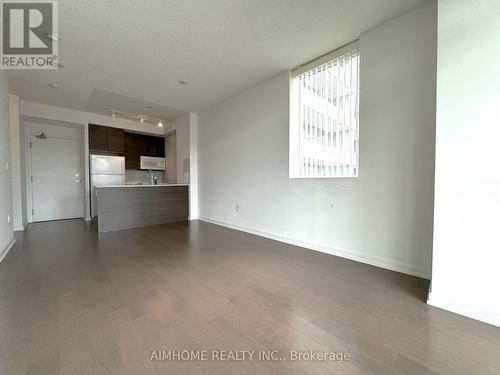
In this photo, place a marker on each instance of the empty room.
(249, 187)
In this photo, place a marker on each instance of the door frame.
(28, 133)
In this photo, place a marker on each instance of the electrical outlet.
(237, 208)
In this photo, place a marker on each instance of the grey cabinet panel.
(131, 207)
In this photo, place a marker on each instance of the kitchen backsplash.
(133, 176)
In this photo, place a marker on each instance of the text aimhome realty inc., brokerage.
(30, 38)
(247, 355)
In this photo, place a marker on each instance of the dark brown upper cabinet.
(157, 147)
(116, 140)
(137, 145)
(104, 139)
(98, 137)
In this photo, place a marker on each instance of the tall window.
(324, 116)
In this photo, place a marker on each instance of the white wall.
(466, 260)
(171, 155)
(181, 126)
(384, 217)
(193, 166)
(186, 136)
(18, 204)
(6, 227)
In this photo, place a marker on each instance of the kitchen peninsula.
(131, 206)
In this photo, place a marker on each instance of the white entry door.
(56, 184)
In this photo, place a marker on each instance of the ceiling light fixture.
(138, 117)
(53, 85)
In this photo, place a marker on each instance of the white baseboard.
(463, 309)
(5, 251)
(343, 253)
(20, 228)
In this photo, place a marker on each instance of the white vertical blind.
(324, 133)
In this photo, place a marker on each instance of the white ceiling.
(131, 53)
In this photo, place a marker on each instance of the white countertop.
(138, 185)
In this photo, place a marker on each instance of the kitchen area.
(129, 181)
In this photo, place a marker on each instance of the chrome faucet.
(152, 179)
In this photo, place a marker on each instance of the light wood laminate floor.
(73, 302)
